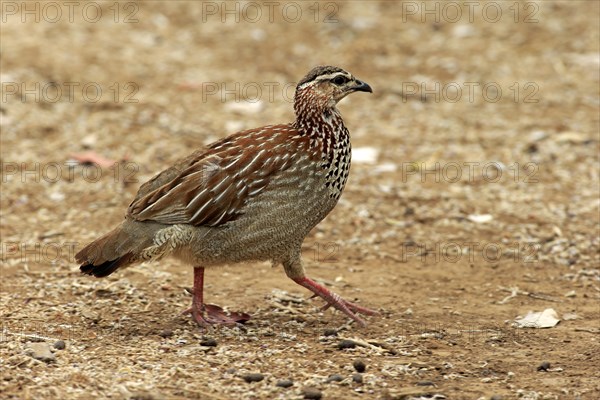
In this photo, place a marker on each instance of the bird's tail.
(118, 248)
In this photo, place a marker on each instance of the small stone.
(230, 371)
(359, 365)
(544, 366)
(210, 342)
(357, 378)
(41, 351)
(166, 333)
(496, 397)
(311, 393)
(425, 383)
(346, 344)
(89, 141)
(330, 332)
(334, 378)
(60, 345)
(253, 377)
(285, 383)
(94, 316)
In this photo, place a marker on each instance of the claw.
(207, 315)
(333, 299)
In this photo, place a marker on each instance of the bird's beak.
(360, 86)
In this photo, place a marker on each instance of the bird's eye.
(340, 80)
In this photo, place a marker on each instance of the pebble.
(41, 351)
(311, 393)
(330, 332)
(357, 378)
(359, 365)
(346, 344)
(166, 333)
(334, 378)
(210, 342)
(253, 377)
(496, 397)
(285, 383)
(60, 345)
(425, 383)
(544, 366)
(94, 316)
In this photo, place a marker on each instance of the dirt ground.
(473, 199)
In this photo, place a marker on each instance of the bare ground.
(450, 261)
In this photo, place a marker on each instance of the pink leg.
(333, 299)
(210, 314)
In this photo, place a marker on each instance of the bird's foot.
(336, 301)
(352, 307)
(210, 314)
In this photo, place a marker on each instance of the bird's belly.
(272, 225)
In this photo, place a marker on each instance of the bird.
(252, 196)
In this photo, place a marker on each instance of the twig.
(372, 344)
(515, 291)
(292, 310)
(29, 336)
(589, 330)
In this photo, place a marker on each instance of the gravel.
(41, 351)
(346, 344)
(544, 367)
(311, 393)
(210, 342)
(60, 345)
(253, 377)
(285, 383)
(334, 378)
(359, 365)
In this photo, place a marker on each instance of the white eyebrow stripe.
(331, 76)
(321, 78)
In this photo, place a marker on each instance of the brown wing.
(211, 187)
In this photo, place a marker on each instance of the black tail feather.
(104, 269)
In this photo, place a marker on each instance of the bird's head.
(323, 87)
